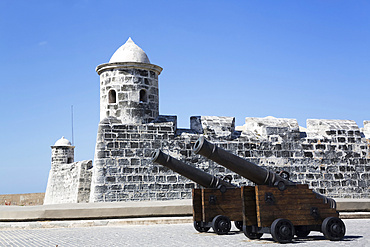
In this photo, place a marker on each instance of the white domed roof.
(62, 142)
(129, 52)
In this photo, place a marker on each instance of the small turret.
(62, 152)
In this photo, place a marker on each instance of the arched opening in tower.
(112, 97)
(143, 96)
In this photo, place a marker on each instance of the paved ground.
(167, 235)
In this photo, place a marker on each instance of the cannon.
(281, 207)
(194, 174)
(246, 169)
(214, 205)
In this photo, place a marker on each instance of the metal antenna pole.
(72, 124)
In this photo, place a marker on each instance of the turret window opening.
(112, 97)
(143, 96)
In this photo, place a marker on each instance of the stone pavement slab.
(169, 235)
(90, 223)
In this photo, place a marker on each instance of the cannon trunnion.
(274, 205)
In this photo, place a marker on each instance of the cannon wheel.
(239, 225)
(221, 224)
(333, 228)
(282, 230)
(198, 226)
(247, 230)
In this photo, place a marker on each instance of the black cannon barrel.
(246, 169)
(197, 175)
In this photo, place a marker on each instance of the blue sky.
(289, 59)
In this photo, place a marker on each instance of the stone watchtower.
(69, 181)
(129, 86)
(62, 153)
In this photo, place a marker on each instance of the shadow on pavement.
(322, 238)
(306, 240)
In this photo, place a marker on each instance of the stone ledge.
(353, 205)
(142, 210)
(126, 222)
(354, 215)
(108, 210)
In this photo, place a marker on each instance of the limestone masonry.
(69, 181)
(332, 156)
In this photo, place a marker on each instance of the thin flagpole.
(72, 124)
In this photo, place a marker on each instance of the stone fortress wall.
(331, 156)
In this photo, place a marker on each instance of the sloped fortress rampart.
(331, 156)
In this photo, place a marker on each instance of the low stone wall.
(30, 199)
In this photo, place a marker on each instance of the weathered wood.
(197, 204)
(301, 205)
(295, 204)
(249, 206)
(228, 204)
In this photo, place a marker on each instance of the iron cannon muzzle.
(197, 175)
(154, 155)
(198, 146)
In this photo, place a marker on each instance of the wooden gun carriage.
(216, 204)
(274, 205)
